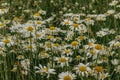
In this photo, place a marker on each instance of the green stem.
(5, 69)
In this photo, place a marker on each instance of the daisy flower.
(78, 57)
(75, 44)
(47, 46)
(98, 47)
(98, 69)
(62, 60)
(25, 64)
(30, 28)
(101, 33)
(102, 76)
(39, 35)
(53, 30)
(66, 76)
(82, 69)
(69, 35)
(37, 16)
(82, 29)
(92, 53)
(77, 27)
(39, 23)
(68, 52)
(117, 16)
(67, 22)
(91, 44)
(81, 38)
(115, 61)
(42, 12)
(109, 12)
(8, 40)
(101, 17)
(43, 54)
(89, 21)
(20, 57)
(118, 69)
(44, 69)
(113, 3)
(3, 10)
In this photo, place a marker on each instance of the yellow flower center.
(44, 54)
(29, 47)
(62, 60)
(56, 44)
(52, 28)
(21, 17)
(15, 18)
(1, 24)
(67, 77)
(81, 37)
(67, 51)
(99, 69)
(38, 35)
(101, 34)
(30, 28)
(45, 69)
(92, 51)
(88, 19)
(0, 49)
(117, 44)
(101, 18)
(90, 44)
(107, 49)
(48, 45)
(104, 58)
(82, 68)
(75, 19)
(103, 76)
(74, 43)
(3, 9)
(82, 31)
(49, 37)
(78, 57)
(67, 23)
(6, 41)
(38, 22)
(37, 14)
(98, 46)
(75, 25)
(20, 56)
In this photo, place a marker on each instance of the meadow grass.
(60, 40)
